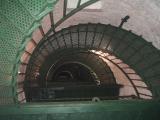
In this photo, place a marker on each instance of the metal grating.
(18, 20)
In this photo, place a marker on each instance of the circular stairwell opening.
(132, 61)
(82, 62)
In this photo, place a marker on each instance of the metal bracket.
(123, 20)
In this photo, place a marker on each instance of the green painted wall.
(108, 110)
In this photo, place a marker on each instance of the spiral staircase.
(83, 71)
